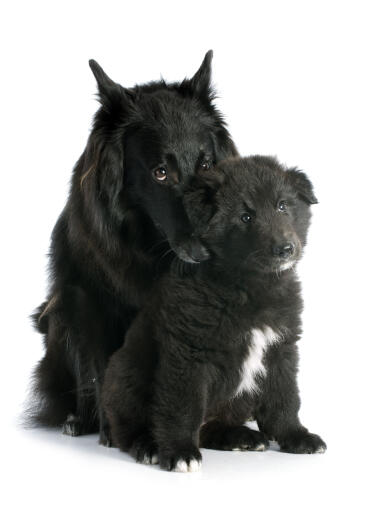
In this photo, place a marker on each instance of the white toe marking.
(321, 449)
(154, 459)
(253, 364)
(260, 447)
(194, 466)
(236, 449)
(181, 466)
(146, 459)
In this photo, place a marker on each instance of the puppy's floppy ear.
(302, 185)
(111, 94)
(200, 84)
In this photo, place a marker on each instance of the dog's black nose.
(191, 251)
(284, 251)
(198, 252)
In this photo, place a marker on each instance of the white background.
(293, 81)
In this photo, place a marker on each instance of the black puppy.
(123, 224)
(219, 345)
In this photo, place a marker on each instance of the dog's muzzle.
(192, 252)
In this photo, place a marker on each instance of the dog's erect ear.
(105, 84)
(110, 93)
(200, 84)
(302, 185)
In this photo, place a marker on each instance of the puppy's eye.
(160, 174)
(246, 218)
(206, 165)
(282, 206)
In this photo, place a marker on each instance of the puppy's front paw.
(144, 450)
(302, 442)
(245, 439)
(232, 438)
(181, 460)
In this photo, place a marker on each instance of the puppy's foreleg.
(178, 414)
(277, 415)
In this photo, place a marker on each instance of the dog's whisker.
(156, 245)
(163, 256)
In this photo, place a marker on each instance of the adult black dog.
(219, 345)
(122, 226)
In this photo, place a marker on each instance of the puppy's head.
(149, 141)
(261, 214)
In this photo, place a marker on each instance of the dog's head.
(147, 143)
(261, 214)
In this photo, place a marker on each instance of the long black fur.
(172, 387)
(122, 227)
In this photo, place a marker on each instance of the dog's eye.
(160, 174)
(205, 165)
(282, 206)
(246, 218)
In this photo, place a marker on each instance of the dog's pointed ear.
(105, 84)
(200, 84)
(302, 185)
(110, 92)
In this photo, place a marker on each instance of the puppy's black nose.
(284, 251)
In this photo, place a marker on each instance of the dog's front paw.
(105, 438)
(302, 442)
(72, 426)
(186, 459)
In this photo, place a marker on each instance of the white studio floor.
(60, 472)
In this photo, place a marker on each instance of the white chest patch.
(253, 366)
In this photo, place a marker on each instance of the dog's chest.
(253, 368)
